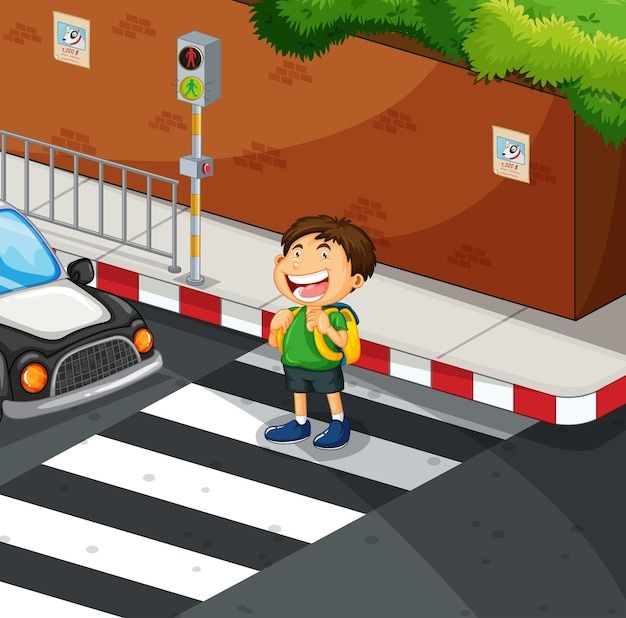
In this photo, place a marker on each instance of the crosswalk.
(37, 604)
(186, 498)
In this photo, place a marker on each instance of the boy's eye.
(297, 253)
(324, 255)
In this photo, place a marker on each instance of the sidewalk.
(442, 336)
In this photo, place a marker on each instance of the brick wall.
(73, 139)
(396, 141)
(167, 121)
(258, 156)
(541, 173)
(393, 121)
(371, 216)
(289, 72)
(468, 257)
(133, 26)
(20, 34)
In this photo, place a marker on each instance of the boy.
(324, 259)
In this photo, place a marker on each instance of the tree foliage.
(557, 42)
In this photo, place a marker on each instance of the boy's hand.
(323, 322)
(313, 317)
(319, 319)
(282, 319)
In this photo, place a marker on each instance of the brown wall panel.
(398, 142)
(600, 221)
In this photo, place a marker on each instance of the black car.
(61, 342)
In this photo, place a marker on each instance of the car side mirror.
(80, 271)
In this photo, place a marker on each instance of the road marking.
(251, 462)
(366, 456)
(238, 499)
(146, 516)
(18, 602)
(119, 553)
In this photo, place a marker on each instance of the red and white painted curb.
(375, 357)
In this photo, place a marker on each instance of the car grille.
(93, 363)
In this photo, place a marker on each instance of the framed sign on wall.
(71, 39)
(511, 154)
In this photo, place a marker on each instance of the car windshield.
(25, 258)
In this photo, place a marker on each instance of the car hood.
(51, 311)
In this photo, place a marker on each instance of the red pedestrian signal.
(190, 58)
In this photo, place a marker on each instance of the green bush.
(556, 42)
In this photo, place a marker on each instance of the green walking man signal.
(191, 88)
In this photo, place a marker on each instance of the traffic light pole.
(195, 278)
(199, 83)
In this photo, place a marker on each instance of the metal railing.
(102, 163)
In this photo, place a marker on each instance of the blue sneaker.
(289, 433)
(336, 436)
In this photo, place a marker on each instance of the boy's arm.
(282, 319)
(338, 336)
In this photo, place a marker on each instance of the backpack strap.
(280, 334)
(320, 342)
(352, 349)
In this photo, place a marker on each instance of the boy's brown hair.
(356, 243)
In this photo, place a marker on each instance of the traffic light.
(199, 68)
(199, 83)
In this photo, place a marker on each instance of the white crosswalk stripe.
(116, 552)
(366, 456)
(18, 602)
(174, 480)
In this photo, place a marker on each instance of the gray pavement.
(531, 527)
(434, 321)
(190, 350)
(528, 525)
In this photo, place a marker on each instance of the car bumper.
(31, 409)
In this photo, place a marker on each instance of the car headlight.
(34, 378)
(143, 340)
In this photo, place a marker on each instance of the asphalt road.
(438, 507)
(533, 527)
(190, 350)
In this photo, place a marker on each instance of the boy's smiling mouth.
(308, 288)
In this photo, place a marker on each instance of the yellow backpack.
(352, 350)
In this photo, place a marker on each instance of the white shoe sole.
(329, 448)
(287, 442)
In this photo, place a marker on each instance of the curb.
(375, 357)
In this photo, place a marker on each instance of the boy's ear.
(357, 281)
(278, 259)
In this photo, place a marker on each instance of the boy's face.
(315, 272)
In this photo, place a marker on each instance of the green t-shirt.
(299, 349)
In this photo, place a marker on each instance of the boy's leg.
(335, 404)
(300, 407)
(297, 429)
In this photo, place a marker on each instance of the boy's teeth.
(306, 279)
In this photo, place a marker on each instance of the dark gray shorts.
(306, 381)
